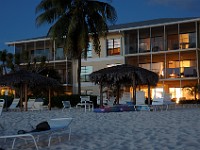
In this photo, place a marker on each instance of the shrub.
(56, 101)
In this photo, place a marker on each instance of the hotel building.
(169, 46)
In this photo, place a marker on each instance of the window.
(89, 51)
(18, 50)
(59, 53)
(172, 42)
(144, 45)
(157, 44)
(187, 40)
(39, 53)
(113, 47)
(85, 72)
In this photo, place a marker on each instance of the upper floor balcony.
(161, 38)
(182, 72)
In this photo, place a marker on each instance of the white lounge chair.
(2, 101)
(162, 103)
(66, 105)
(21, 136)
(157, 103)
(37, 106)
(14, 104)
(105, 101)
(140, 102)
(57, 125)
(111, 101)
(30, 103)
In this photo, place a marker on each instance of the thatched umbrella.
(124, 75)
(24, 78)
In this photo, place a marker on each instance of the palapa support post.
(25, 96)
(118, 92)
(49, 105)
(101, 95)
(134, 89)
(21, 97)
(149, 95)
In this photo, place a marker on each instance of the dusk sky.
(18, 16)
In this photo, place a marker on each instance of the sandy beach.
(177, 129)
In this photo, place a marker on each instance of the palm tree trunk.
(79, 75)
(49, 105)
(4, 68)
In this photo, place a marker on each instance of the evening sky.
(18, 16)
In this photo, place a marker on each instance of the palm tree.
(74, 22)
(7, 61)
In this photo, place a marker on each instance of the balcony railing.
(182, 72)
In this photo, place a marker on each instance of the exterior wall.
(97, 64)
(159, 48)
(177, 67)
(101, 62)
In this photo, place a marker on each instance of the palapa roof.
(124, 74)
(24, 76)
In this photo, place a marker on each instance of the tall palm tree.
(74, 22)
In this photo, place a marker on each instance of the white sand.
(142, 130)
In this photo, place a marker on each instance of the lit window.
(187, 40)
(113, 47)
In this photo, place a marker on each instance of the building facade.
(169, 47)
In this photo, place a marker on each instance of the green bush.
(8, 100)
(189, 102)
(56, 101)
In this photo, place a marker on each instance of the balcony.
(182, 72)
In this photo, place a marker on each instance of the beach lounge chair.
(14, 104)
(157, 103)
(111, 101)
(140, 101)
(30, 103)
(66, 105)
(2, 101)
(38, 104)
(162, 103)
(105, 101)
(57, 125)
